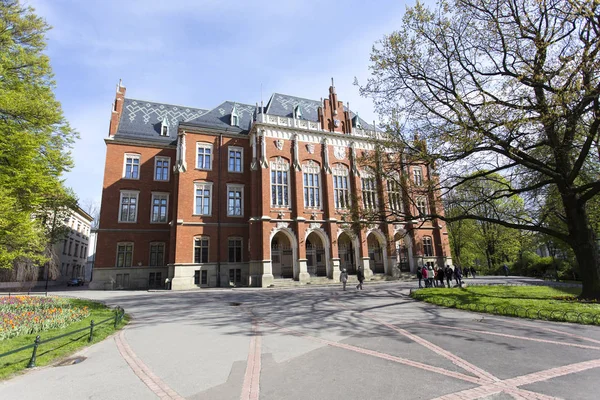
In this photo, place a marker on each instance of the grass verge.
(56, 349)
(536, 302)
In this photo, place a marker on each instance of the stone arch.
(381, 239)
(401, 236)
(353, 238)
(325, 239)
(291, 236)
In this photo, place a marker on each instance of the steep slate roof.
(142, 119)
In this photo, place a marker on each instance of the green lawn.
(49, 352)
(538, 302)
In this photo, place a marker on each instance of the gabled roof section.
(143, 119)
(220, 117)
(283, 106)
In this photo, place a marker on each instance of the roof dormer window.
(164, 127)
(235, 118)
(297, 112)
(356, 122)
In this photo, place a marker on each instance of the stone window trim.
(159, 195)
(206, 165)
(205, 186)
(129, 194)
(235, 149)
(154, 251)
(234, 243)
(428, 250)
(421, 206)
(200, 244)
(281, 186)
(312, 168)
(235, 187)
(162, 159)
(126, 163)
(122, 248)
(369, 190)
(341, 186)
(394, 191)
(417, 175)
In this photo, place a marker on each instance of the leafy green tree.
(34, 137)
(509, 87)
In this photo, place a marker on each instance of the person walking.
(419, 276)
(425, 276)
(344, 278)
(361, 277)
(473, 272)
(430, 275)
(505, 267)
(458, 275)
(440, 277)
(448, 273)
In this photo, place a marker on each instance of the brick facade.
(203, 245)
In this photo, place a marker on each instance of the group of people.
(359, 275)
(434, 276)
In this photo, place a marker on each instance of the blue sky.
(201, 53)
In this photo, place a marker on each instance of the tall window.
(202, 203)
(235, 200)
(341, 196)
(417, 176)
(132, 166)
(201, 250)
(65, 247)
(235, 159)
(128, 212)
(312, 187)
(159, 207)
(421, 204)
(76, 250)
(279, 183)
(204, 156)
(70, 247)
(157, 254)
(124, 254)
(427, 246)
(394, 196)
(161, 168)
(369, 192)
(235, 250)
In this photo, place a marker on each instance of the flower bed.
(23, 315)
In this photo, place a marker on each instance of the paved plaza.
(319, 343)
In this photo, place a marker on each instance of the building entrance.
(315, 256)
(282, 260)
(346, 254)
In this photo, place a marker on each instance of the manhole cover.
(71, 361)
(235, 304)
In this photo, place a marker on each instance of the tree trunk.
(583, 242)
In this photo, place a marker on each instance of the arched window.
(341, 193)
(312, 184)
(280, 182)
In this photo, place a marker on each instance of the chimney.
(117, 109)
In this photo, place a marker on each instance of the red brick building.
(251, 195)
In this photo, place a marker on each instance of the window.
(201, 250)
(201, 277)
(417, 176)
(235, 250)
(312, 188)
(124, 254)
(157, 254)
(65, 247)
(204, 280)
(70, 247)
(76, 253)
(155, 280)
(78, 227)
(129, 201)
(132, 166)
(235, 159)
(81, 254)
(427, 246)
(203, 198)
(159, 207)
(204, 158)
(279, 183)
(235, 275)
(369, 192)
(161, 168)
(421, 205)
(395, 196)
(235, 200)
(196, 277)
(341, 197)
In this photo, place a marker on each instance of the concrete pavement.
(320, 343)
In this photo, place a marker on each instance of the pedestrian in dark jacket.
(419, 276)
(448, 273)
(440, 277)
(361, 277)
(425, 276)
(458, 275)
(473, 271)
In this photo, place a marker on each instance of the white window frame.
(133, 156)
(205, 185)
(240, 188)
(368, 188)
(241, 150)
(152, 244)
(421, 201)
(168, 160)
(417, 176)
(156, 195)
(204, 145)
(124, 256)
(342, 172)
(129, 193)
(198, 238)
(241, 242)
(312, 168)
(395, 195)
(430, 245)
(280, 165)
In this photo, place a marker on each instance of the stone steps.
(322, 280)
